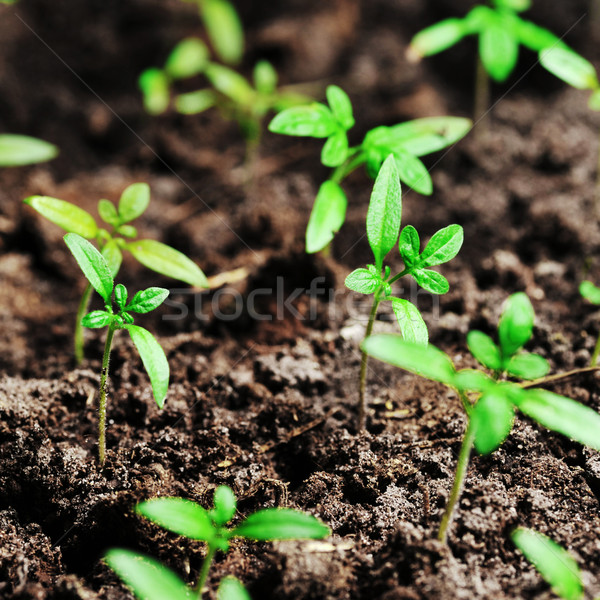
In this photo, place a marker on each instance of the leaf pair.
(18, 150)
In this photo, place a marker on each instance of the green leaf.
(93, 265)
(128, 231)
(97, 319)
(108, 212)
(231, 588)
(230, 84)
(18, 150)
(516, 324)
(385, 212)
(594, 101)
(340, 105)
(564, 415)
(314, 120)
(482, 347)
(438, 37)
(121, 295)
(409, 245)
(536, 38)
(528, 366)
(147, 578)
(335, 150)
(363, 281)
(516, 5)
(180, 516)
(327, 216)
(431, 281)
(472, 380)
(155, 90)
(154, 359)
(280, 524)
(265, 77)
(492, 418)
(569, 66)
(224, 29)
(225, 505)
(552, 562)
(590, 292)
(187, 59)
(413, 172)
(411, 322)
(113, 256)
(166, 260)
(426, 361)
(64, 214)
(134, 201)
(498, 49)
(147, 300)
(196, 102)
(443, 246)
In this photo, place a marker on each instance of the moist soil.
(267, 405)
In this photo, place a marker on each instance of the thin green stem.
(81, 312)
(210, 553)
(352, 163)
(559, 376)
(597, 188)
(594, 358)
(102, 404)
(459, 479)
(465, 402)
(396, 277)
(482, 99)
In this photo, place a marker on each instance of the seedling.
(406, 142)
(383, 228)
(120, 236)
(191, 520)
(591, 293)
(18, 150)
(489, 402)
(98, 273)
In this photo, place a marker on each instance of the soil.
(268, 406)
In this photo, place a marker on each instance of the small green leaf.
(314, 120)
(230, 84)
(526, 365)
(155, 90)
(64, 214)
(108, 212)
(552, 562)
(594, 101)
(187, 59)
(225, 505)
(97, 319)
(499, 50)
(178, 515)
(569, 66)
(327, 216)
(265, 77)
(128, 231)
(113, 256)
(121, 295)
(443, 246)
(413, 172)
(482, 347)
(411, 322)
(590, 292)
(224, 29)
(516, 5)
(431, 281)
(146, 577)
(280, 524)
(196, 102)
(167, 261)
(231, 588)
(438, 37)
(134, 201)
(363, 281)
(154, 359)
(472, 380)
(147, 300)
(385, 211)
(536, 38)
(516, 324)
(335, 150)
(492, 418)
(340, 105)
(409, 245)
(93, 265)
(564, 415)
(18, 150)
(427, 361)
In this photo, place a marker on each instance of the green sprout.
(592, 294)
(19, 150)
(118, 237)
(552, 561)
(151, 581)
(406, 142)
(383, 229)
(488, 401)
(98, 272)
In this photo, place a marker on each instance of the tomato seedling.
(19, 150)
(118, 237)
(383, 229)
(491, 407)
(98, 273)
(188, 518)
(406, 142)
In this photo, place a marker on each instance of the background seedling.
(191, 520)
(18, 150)
(383, 228)
(490, 411)
(591, 293)
(406, 142)
(118, 237)
(98, 273)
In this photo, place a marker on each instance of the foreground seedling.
(19, 150)
(383, 228)
(98, 273)
(406, 142)
(148, 579)
(118, 237)
(488, 401)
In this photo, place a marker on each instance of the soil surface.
(267, 405)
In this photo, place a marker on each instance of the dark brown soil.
(268, 406)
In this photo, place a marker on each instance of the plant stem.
(597, 188)
(459, 479)
(482, 99)
(594, 358)
(559, 376)
(364, 359)
(210, 553)
(350, 164)
(102, 404)
(81, 311)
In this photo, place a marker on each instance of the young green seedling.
(592, 293)
(406, 142)
(18, 150)
(491, 406)
(383, 228)
(191, 520)
(118, 237)
(98, 273)
(552, 562)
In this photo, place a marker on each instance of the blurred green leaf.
(327, 216)
(18, 150)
